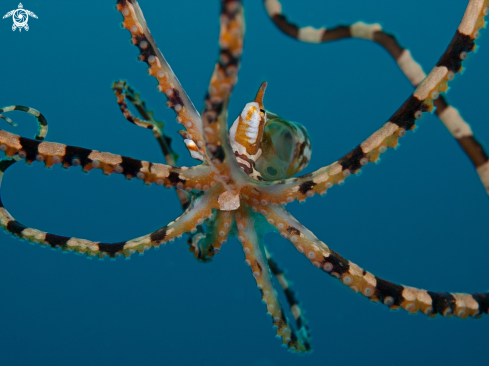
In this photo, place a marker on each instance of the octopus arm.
(178, 100)
(403, 119)
(199, 210)
(224, 78)
(124, 92)
(375, 288)
(413, 71)
(206, 245)
(41, 120)
(290, 295)
(197, 178)
(256, 259)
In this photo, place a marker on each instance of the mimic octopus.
(246, 175)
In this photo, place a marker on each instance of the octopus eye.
(272, 171)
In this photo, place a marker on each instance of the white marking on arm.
(364, 30)
(467, 25)
(436, 75)
(454, 122)
(483, 172)
(411, 68)
(273, 7)
(311, 35)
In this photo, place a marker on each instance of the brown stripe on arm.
(29, 150)
(285, 26)
(336, 33)
(474, 150)
(390, 294)
(456, 52)
(389, 42)
(483, 302)
(443, 303)
(15, 227)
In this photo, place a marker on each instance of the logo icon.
(20, 17)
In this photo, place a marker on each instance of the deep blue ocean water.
(419, 218)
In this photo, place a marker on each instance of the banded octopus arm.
(223, 80)
(51, 153)
(256, 259)
(205, 246)
(209, 237)
(42, 125)
(122, 91)
(199, 209)
(376, 289)
(448, 114)
(290, 295)
(41, 120)
(196, 178)
(187, 114)
(450, 63)
(214, 117)
(17, 148)
(212, 137)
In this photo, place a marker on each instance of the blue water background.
(419, 218)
